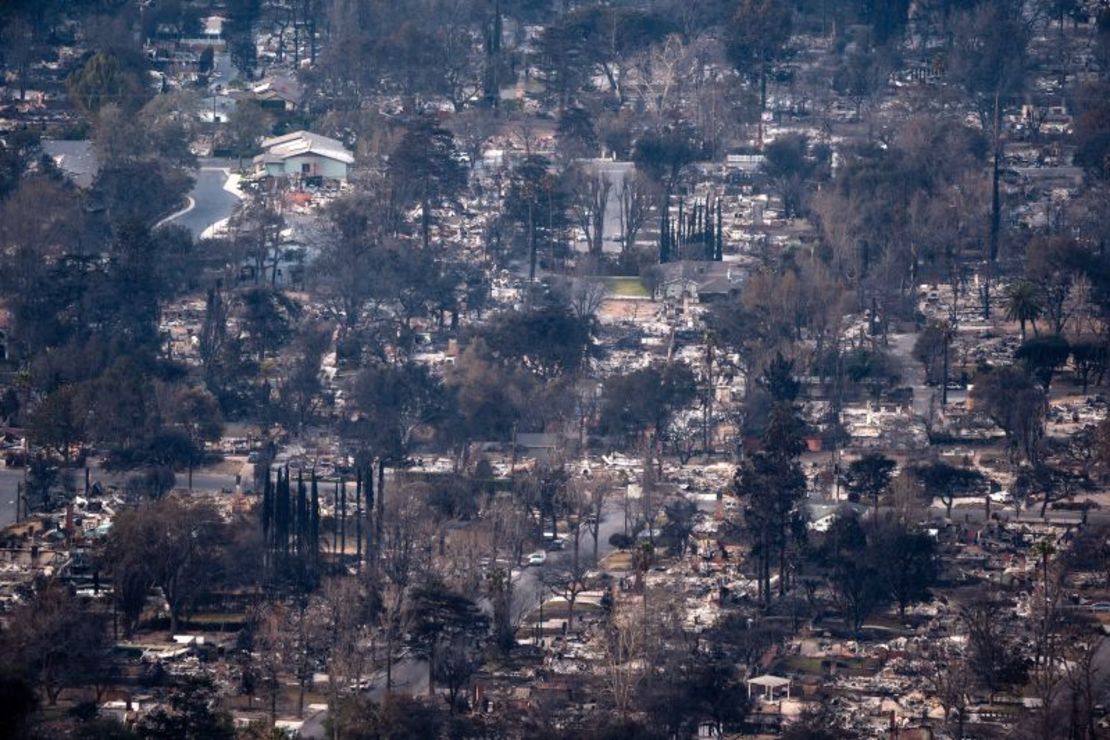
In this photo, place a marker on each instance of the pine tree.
(368, 494)
(281, 514)
(315, 538)
(267, 522)
(302, 517)
(267, 509)
(358, 518)
(664, 233)
(681, 225)
(342, 497)
(719, 254)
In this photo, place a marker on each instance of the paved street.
(410, 676)
(913, 373)
(9, 482)
(611, 229)
(211, 200)
(528, 586)
(204, 480)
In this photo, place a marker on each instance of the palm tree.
(1023, 304)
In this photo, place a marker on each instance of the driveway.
(211, 201)
(913, 373)
(410, 676)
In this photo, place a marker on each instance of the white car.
(1002, 497)
(537, 558)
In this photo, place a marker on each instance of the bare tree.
(400, 560)
(950, 680)
(639, 194)
(472, 128)
(586, 296)
(340, 621)
(599, 491)
(568, 585)
(573, 502)
(624, 668)
(509, 530)
(589, 201)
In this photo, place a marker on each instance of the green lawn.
(630, 287)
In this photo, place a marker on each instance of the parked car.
(539, 557)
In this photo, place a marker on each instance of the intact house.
(279, 94)
(305, 155)
(699, 280)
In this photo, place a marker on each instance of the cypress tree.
(342, 517)
(287, 497)
(681, 224)
(281, 515)
(267, 508)
(302, 516)
(315, 538)
(664, 234)
(368, 494)
(719, 254)
(358, 518)
(706, 232)
(267, 522)
(379, 519)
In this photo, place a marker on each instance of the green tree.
(1009, 397)
(949, 481)
(1023, 305)
(905, 562)
(770, 484)
(536, 201)
(239, 31)
(190, 714)
(426, 169)
(549, 341)
(247, 124)
(756, 37)
(443, 617)
(989, 59)
(869, 476)
(55, 424)
(644, 401)
(1043, 356)
(107, 77)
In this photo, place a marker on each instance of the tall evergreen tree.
(315, 521)
(358, 518)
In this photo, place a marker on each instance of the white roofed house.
(304, 154)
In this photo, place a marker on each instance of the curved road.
(212, 200)
(411, 674)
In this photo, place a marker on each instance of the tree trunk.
(996, 203)
(531, 245)
(425, 221)
(379, 520)
(389, 660)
